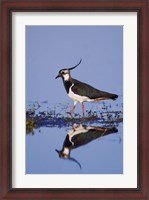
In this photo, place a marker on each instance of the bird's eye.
(63, 72)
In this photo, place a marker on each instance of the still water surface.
(103, 155)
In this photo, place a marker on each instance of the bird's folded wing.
(84, 89)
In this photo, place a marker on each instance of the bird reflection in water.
(80, 135)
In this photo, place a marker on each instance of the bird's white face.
(65, 74)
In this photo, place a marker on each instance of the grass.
(38, 115)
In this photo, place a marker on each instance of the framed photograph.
(74, 99)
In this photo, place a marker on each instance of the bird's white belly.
(76, 97)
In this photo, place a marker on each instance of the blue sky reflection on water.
(101, 156)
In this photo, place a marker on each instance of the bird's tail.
(114, 96)
(115, 130)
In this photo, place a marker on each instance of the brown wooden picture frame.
(139, 6)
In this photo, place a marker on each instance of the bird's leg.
(72, 109)
(82, 109)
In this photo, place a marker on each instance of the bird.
(80, 135)
(82, 92)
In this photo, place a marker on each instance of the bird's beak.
(57, 150)
(58, 76)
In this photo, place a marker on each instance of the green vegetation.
(37, 116)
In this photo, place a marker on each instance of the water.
(102, 153)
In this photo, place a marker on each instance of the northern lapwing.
(82, 92)
(81, 135)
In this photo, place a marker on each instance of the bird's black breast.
(67, 142)
(67, 85)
